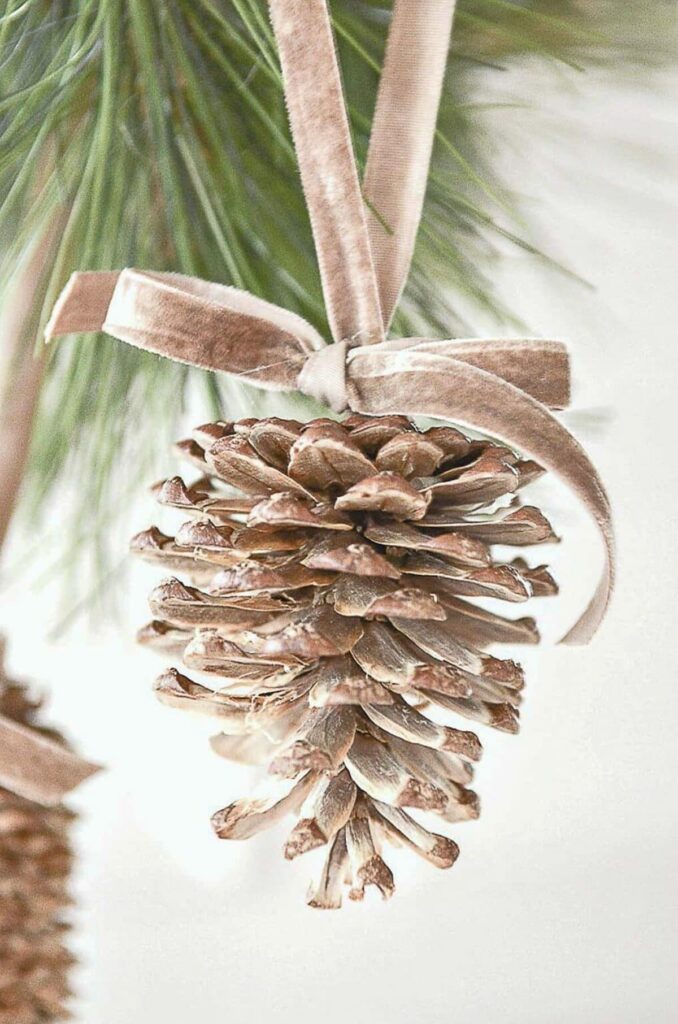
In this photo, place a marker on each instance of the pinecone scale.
(330, 572)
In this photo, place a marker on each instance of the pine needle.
(158, 133)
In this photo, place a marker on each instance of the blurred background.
(562, 907)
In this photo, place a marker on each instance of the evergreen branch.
(164, 130)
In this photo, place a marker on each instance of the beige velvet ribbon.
(322, 139)
(504, 387)
(35, 767)
(404, 123)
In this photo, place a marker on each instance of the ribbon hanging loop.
(322, 139)
(401, 140)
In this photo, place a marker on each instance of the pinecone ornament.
(35, 866)
(331, 570)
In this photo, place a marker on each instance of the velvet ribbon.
(37, 768)
(505, 387)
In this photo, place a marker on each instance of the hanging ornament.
(331, 568)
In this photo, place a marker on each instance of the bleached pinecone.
(35, 866)
(329, 611)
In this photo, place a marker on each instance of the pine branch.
(165, 131)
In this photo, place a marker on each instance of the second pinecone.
(35, 867)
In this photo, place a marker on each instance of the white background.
(562, 907)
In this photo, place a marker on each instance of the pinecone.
(35, 865)
(328, 604)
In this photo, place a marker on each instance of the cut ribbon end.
(36, 768)
(83, 303)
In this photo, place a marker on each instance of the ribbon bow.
(503, 387)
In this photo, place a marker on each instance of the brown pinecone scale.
(35, 866)
(328, 604)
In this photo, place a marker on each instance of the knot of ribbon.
(323, 376)
(504, 387)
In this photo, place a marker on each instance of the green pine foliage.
(157, 133)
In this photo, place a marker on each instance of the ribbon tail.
(36, 768)
(420, 384)
(203, 324)
(586, 626)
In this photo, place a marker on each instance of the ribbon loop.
(209, 325)
(539, 367)
(322, 139)
(404, 124)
